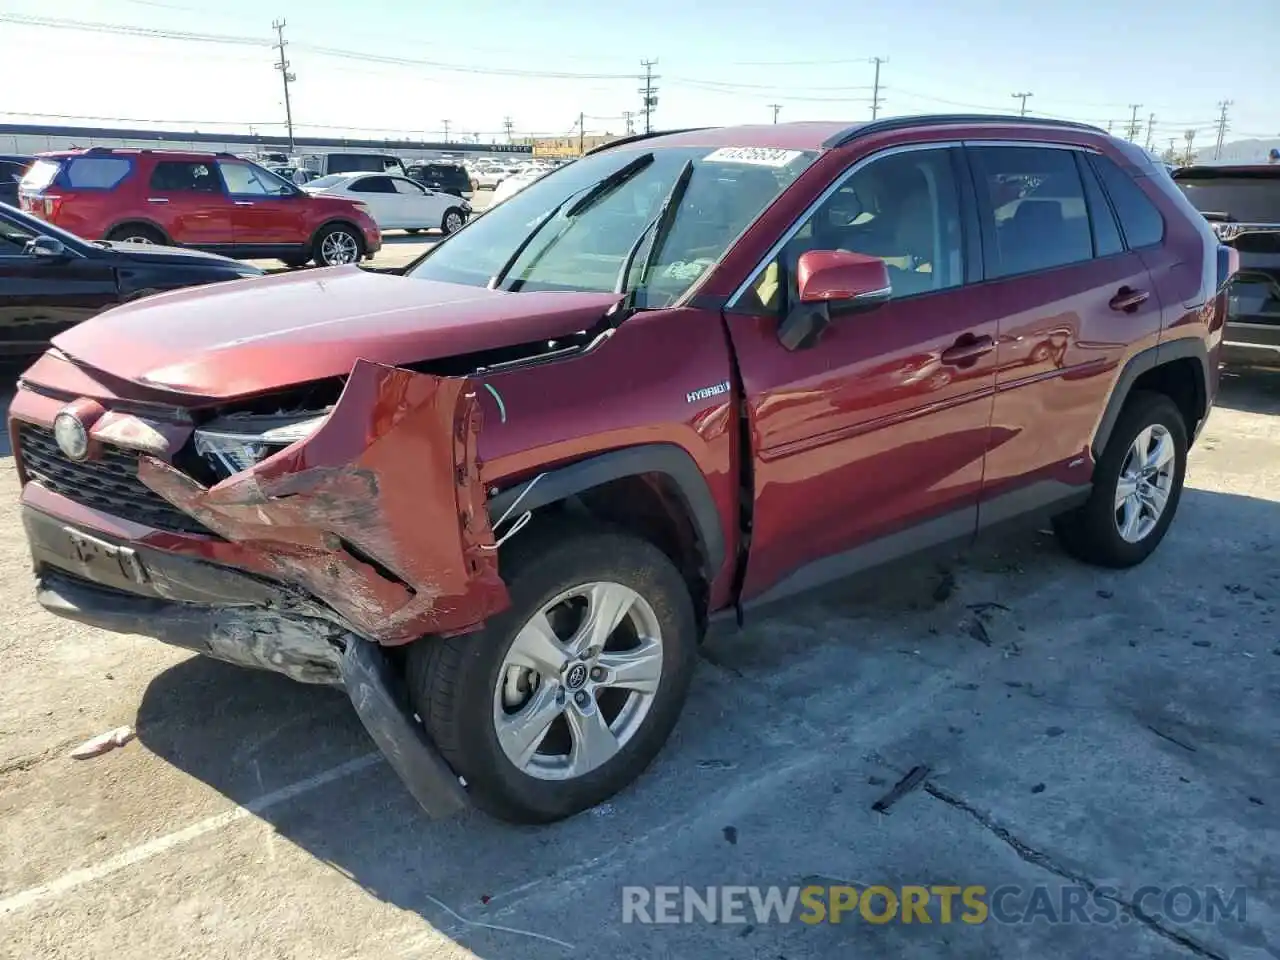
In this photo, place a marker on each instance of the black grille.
(109, 484)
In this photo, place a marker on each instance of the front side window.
(1034, 214)
(903, 208)
(1140, 220)
(712, 195)
(96, 173)
(250, 180)
(407, 187)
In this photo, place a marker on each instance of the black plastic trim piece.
(665, 458)
(948, 119)
(1040, 498)
(1167, 352)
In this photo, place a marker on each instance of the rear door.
(187, 199)
(40, 297)
(1071, 304)
(379, 194)
(266, 210)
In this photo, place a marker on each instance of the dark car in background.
(1243, 205)
(12, 167)
(51, 279)
(444, 177)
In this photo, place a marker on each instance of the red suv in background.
(212, 201)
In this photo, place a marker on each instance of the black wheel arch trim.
(673, 461)
(336, 222)
(1182, 348)
(144, 222)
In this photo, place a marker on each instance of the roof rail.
(944, 119)
(100, 150)
(622, 141)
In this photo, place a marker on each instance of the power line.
(650, 94)
(1023, 97)
(283, 66)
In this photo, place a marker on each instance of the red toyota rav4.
(684, 376)
(215, 202)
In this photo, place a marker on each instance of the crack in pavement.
(1045, 862)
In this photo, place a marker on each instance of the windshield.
(585, 249)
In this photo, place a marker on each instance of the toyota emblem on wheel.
(576, 676)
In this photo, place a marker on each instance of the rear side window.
(1034, 214)
(172, 175)
(95, 173)
(1106, 232)
(373, 185)
(1246, 197)
(1140, 220)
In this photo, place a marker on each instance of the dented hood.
(243, 337)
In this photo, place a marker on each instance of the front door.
(41, 297)
(266, 210)
(871, 442)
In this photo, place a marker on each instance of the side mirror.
(831, 283)
(46, 248)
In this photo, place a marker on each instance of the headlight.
(234, 443)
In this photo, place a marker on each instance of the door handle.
(1128, 300)
(244, 203)
(968, 348)
(157, 199)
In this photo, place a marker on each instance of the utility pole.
(1190, 137)
(650, 94)
(1151, 122)
(446, 130)
(875, 88)
(1133, 121)
(629, 118)
(508, 126)
(1022, 112)
(1172, 155)
(283, 66)
(582, 134)
(1222, 127)
(775, 107)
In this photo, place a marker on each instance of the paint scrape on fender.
(380, 513)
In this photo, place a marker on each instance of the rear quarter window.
(95, 173)
(40, 174)
(1140, 219)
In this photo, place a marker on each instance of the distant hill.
(1241, 151)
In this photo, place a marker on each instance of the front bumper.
(233, 616)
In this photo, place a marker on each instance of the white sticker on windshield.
(760, 156)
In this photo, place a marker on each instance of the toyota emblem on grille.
(72, 437)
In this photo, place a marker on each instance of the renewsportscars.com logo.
(943, 904)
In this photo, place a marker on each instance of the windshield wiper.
(584, 199)
(661, 227)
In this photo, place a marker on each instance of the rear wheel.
(337, 244)
(453, 221)
(566, 697)
(136, 233)
(1136, 486)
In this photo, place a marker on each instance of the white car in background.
(514, 184)
(492, 177)
(396, 203)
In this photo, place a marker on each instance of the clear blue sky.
(719, 61)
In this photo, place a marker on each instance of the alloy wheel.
(578, 681)
(452, 222)
(1146, 480)
(339, 247)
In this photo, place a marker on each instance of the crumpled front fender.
(380, 513)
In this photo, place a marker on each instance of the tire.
(137, 233)
(452, 221)
(458, 685)
(334, 239)
(414, 230)
(294, 263)
(1092, 532)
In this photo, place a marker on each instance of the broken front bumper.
(232, 616)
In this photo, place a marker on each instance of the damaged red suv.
(500, 498)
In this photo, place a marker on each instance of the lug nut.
(597, 674)
(581, 698)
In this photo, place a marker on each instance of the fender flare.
(1167, 352)
(666, 458)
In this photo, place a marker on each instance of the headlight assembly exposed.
(236, 442)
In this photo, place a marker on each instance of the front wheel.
(337, 244)
(566, 697)
(453, 221)
(1136, 486)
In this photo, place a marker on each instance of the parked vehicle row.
(676, 380)
(214, 202)
(396, 203)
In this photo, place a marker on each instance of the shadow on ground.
(1250, 391)
(785, 723)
